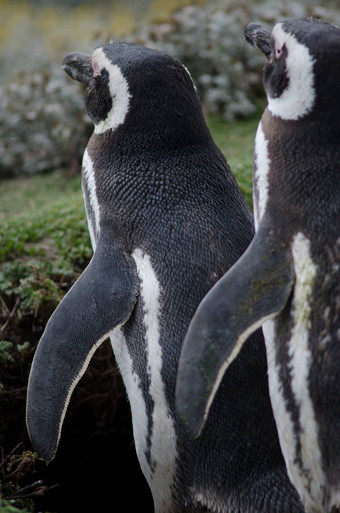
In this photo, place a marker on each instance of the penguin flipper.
(100, 300)
(254, 290)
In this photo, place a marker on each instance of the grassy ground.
(43, 212)
(44, 246)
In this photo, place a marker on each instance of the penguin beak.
(78, 66)
(259, 37)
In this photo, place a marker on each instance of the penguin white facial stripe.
(119, 91)
(90, 194)
(163, 439)
(298, 98)
(305, 271)
(262, 165)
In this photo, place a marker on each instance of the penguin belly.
(153, 424)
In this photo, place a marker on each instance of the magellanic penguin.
(289, 278)
(166, 219)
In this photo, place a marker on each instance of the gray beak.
(259, 37)
(78, 66)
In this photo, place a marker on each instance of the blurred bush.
(43, 124)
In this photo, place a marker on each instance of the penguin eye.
(278, 53)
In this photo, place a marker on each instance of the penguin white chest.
(299, 442)
(154, 431)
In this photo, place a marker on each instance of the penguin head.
(303, 67)
(135, 85)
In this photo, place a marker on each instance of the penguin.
(166, 219)
(288, 279)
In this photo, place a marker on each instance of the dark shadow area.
(96, 471)
(96, 465)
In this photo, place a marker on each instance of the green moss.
(5, 348)
(15, 496)
(7, 506)
(44, 216)
(44, 246)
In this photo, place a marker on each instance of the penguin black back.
(166, 219)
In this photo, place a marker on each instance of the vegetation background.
(44, 242)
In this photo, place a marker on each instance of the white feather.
(298, 98)
(284, 422)
(311, 481)
(119, 91)
(134, 391)
(262, 165)
(88, 178)
(163, 442)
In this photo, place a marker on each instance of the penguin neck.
(318, 126)
(138, 138)
(304, 161)
(151, 126)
